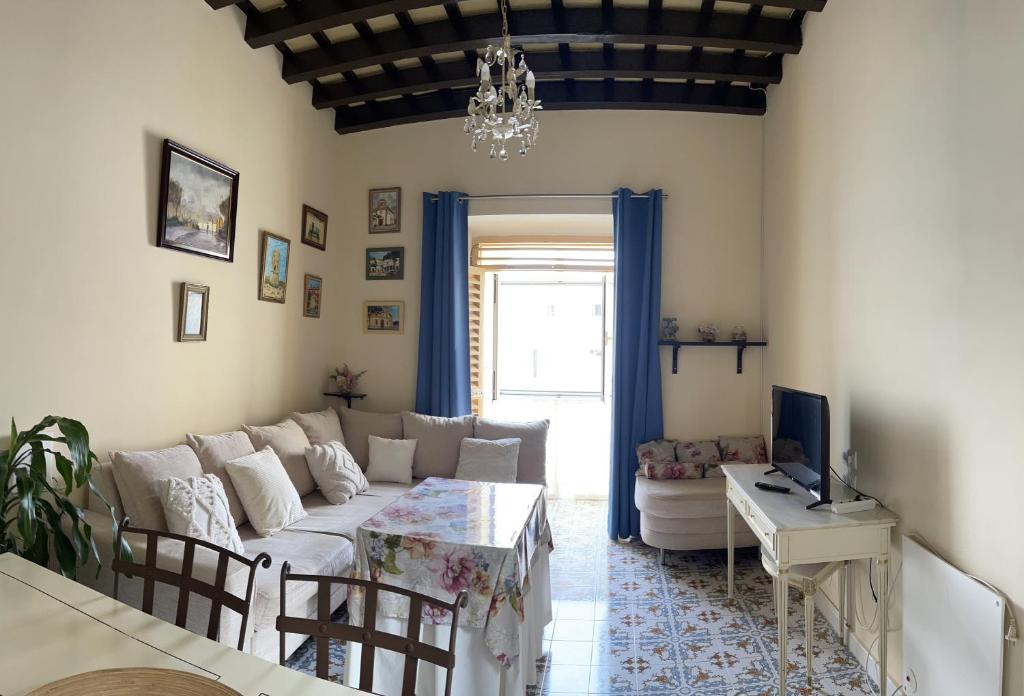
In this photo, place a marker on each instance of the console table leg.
(843, 574)
(730, 544)
(782, 608)
(883, 640)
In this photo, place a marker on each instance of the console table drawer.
(760, 526)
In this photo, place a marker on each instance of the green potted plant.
(36, 512)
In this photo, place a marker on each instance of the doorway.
(545, 337)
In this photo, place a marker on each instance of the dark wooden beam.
(316, 15)
(557, 96)
(665, 65)
(677, 28)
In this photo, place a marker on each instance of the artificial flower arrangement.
(346, 379)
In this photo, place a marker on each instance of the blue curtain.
(636, 386)
(442, 378)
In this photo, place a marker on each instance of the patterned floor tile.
(625, 624)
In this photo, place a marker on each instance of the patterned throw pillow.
(702, 452)
(198, 507)
(335, 472)
(749, 450)
(658, 461)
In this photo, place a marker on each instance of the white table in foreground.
(794, 535)
(55, 628)
(447, 535)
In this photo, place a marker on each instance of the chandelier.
(504, 114)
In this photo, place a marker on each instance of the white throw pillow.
(391, 460)
(335, 472)
(198, 507)
(495, 461)
(267, 494)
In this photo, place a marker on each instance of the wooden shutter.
(476, 300)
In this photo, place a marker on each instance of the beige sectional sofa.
(321, 543)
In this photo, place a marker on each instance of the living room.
(854, 210)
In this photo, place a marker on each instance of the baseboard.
(831, 613)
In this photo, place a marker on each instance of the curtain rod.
(515, 196)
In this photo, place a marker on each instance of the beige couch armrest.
(165, 602)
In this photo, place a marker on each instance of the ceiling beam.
(676, 28)
(664, 65)
(558, 96)
(285, 23)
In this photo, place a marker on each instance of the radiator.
(952, 629)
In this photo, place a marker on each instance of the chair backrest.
(323, 630)
(219, 597)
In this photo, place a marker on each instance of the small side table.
(347, 397)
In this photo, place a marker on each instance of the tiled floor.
(626, 625)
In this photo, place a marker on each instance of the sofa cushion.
(289, 442)
(391, 460)
(102, 478)
(137, 475)
(320, 427)
(684, 498)
(197, 507)
(342, 520)
(494, 461)
(307, 552)
(533, 450)
(336, 473)
(214, 451)
(702, 452)
(437, 442)
(268, 496)
(748, 449)
(359, 425)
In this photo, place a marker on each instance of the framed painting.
(385, 210)
(312, 290)
(198, 204)
(384, 317)
(274, 253)
(193, 309)
(314, 227)
(385, 263)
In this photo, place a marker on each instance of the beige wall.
(89, 303)
(710, 165)
(893, 264)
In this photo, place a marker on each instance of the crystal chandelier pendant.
(504, 112)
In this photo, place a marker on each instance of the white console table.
(794, 535)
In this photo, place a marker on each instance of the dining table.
(54, 628)
(443, 536)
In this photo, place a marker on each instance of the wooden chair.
(183, 580)
(808, 579)
(323, 630)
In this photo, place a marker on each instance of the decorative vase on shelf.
(739, 334)
(670, 328)
(708, 333)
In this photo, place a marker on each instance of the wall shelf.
(347, 397)
(740, 346)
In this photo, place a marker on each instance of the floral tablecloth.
(447, 535)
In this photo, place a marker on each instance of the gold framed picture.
(385, 210)
(384, 317)
(193, 309)
(274, 253)
(311, 294)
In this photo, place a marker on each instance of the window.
(551, 334)
(547, 254)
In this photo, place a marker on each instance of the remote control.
(771, 487)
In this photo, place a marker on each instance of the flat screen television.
(800, 446)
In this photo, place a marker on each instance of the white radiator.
(952, 629)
